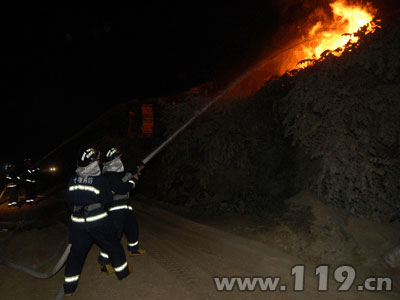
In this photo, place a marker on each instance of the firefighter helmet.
(112, 154)
(27, 162)
(6, 166)
(88, 156)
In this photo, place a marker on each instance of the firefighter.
(88, 194)
(29, 178)
(12, 183)
(121, 211)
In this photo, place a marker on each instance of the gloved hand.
(127, 176)
(139, 168)
(133, 173)
(136, 170)
(138, 174)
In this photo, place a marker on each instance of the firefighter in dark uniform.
(29, 178)
(12, 183)
(88, 196)
(121, 210)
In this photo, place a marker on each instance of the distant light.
(52, 169)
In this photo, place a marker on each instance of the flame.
(331, 33)
(347, 20)
(328, 33)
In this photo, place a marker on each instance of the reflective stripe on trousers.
(89, 219)
(121, 267)
(71, 279)
(120, 207)
(133, 244)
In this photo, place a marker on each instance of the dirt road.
(182, 259)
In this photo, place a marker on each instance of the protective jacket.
(121, 210)
(29, 179)
(12, 180)
(30, 174)
(88, 195)
(121, 184)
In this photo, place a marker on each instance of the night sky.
(61, 68)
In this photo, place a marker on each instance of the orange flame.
(328, 33)
(331, 34)
(348, 19)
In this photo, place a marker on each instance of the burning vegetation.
(328, 32)
(331, 128)
(332, 33)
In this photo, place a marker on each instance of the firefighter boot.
(137, 252)
(107, 269)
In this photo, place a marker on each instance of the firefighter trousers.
(124, 222)
(12, 194)
(30, 192)
(82, 236)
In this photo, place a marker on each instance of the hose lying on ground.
(31, 269)
(198, 113)
(60, 293)
(42, 275)
(51, 258)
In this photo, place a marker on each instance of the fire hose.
(183, 127)
(2, 192)
(31, 269)
(41, 275)
(63, 258)
(197, 113)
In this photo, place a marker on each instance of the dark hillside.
(332, 128)
(343, 115)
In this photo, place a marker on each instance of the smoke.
(293, 11)
(294, 22)
(296, 18)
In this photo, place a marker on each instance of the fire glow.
(333, 35)
(327, 32)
